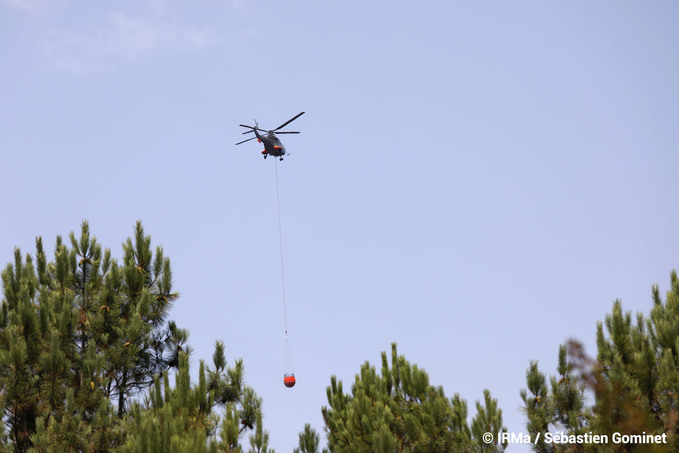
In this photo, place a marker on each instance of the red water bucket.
(289, 380)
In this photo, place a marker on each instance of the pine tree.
(259, 440)
(634, 381)
(488, 419)
(309, 441)
(398, 410)
(81, 335)
(79, 332)
(173, 420)
(183, 419)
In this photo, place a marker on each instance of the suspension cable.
(280, 244)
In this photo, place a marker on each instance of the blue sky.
(476, 181)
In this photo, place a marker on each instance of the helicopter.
(272, 144)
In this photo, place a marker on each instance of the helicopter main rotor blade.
(253, 129)
(285, 132)
(289, 121)
(252, 138)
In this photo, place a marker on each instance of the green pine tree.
(173, 420)
(634, 381)
(82, 334)
(183, 419)
(488, 419)
(79, 333)
(398, 410)
(309, 441)
(259, 440)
